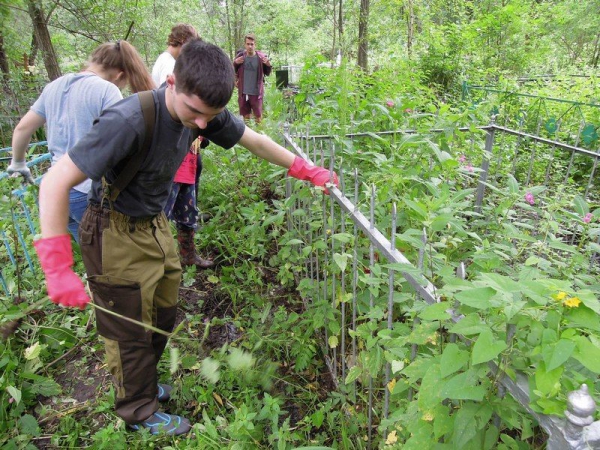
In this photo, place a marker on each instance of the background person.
(70, 104)
(251, 67)
(165, 63)
(182, 205)
(128, 252)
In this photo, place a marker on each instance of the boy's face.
(189, 109)
(250, 46)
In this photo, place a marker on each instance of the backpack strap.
(135, 162)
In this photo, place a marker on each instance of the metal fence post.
(485, 166)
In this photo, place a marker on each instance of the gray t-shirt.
(70, 104)
(119, 133)
(251, 86)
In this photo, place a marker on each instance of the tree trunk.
(363, 35)
(410, 28)
(42, 36)
(596, 53)
(3, 59)
(340, 23)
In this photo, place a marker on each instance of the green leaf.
(583, 316)
(174, 359)
(333, 341)
(28, 425)
(559, 353)
(436, 311)
(14, 393)
(469, 325)
(513, 184)
(342, 237)
(341, 260)
(353, 374)
(547, 381)
(464, 387)
(239, 360)
(580, 205)
(209, 426)
(486, 347)
(587, 354)
(317, 418)
(209, 369)
(33, 351)
(465, 425)
(44, 386)
(476, 298)
(589, 299)
(453, 359)
(430, 394)
(500, 283)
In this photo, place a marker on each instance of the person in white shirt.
(180, 34)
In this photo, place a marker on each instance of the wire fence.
(353, 252)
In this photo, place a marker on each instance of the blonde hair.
(123, 56)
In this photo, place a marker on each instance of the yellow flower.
(560, 296)
(391, 385)
(572, 302)
(391, 438)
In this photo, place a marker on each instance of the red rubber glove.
(56, 257)
(316, 175)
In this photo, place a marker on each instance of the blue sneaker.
(164, 392)
(160, 422)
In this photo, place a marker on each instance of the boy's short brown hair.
(203, 69)
(180, 34)
(250, 36)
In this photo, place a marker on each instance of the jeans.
(77, 205)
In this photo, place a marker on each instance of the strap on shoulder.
(134, 164)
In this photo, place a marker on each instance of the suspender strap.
(134, 164)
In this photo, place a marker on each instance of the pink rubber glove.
(56, 257)
(316, 175)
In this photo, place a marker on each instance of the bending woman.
(70, 104)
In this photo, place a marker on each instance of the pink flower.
(587, 218)
(462, 158)
(408, 110)
(11, 400)
(469, 167)
(390, 104)
(529, 198)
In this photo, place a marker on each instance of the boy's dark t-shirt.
(119, 132)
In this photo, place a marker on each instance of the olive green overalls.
(133, 269)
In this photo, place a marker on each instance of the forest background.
(254, 377)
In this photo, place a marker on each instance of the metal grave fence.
(332, 269)
(19, 224)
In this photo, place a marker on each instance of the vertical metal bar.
(333, 277)
(591, 179)
(354, 276)
(568, 173)
(552, 154)
(343, 290)
(485, 166)
(371, 305)
(326, 253)
(390, 318)
(414, 347)
(518, 145)
(532, 159)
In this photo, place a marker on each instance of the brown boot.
(187, 250)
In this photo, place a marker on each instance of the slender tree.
(363, 35)
(42, 37)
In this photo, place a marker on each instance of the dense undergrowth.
(248, 358)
